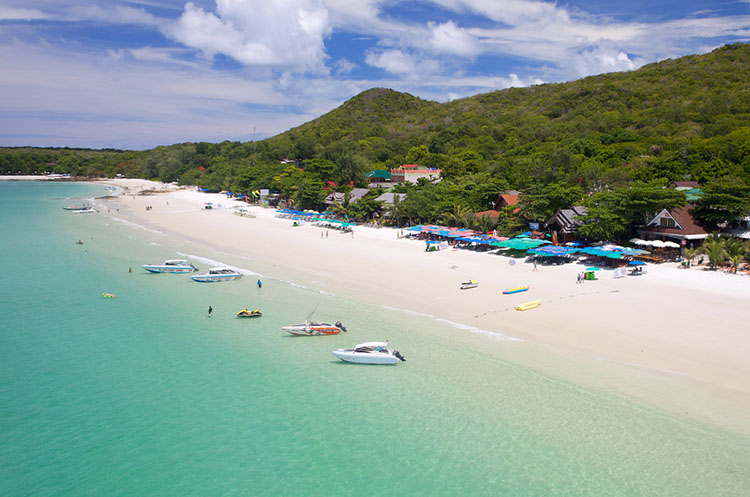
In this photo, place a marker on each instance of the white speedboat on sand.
(216, 274)
(369, 353)
(170, 266)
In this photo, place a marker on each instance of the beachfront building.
(379, 178)
(511, 197)
(675, 224)
(340, 197)
(410, 173)
(566, 222)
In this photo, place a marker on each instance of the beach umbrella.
(658, 244)
(671, 245)
(636, 263)
(593, 269)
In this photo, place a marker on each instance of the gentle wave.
(215, 263)
(297, 285)
(464, 327)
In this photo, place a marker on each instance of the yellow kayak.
(528, 305)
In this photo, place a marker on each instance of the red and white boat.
(313, 328)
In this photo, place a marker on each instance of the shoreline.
(669, 339)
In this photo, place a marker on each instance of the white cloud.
(118, 14)
(450, 39)
(402, 63)
(602, 58)
(20, 14)
(284, 34)
(344, 66)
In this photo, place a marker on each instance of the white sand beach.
(675, 338)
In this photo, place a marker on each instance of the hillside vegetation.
(683, 119)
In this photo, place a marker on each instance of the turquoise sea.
(144, 395)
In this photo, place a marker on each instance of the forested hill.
(681, 119)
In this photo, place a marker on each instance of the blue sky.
(136, 74)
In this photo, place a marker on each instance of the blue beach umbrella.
(636, 263)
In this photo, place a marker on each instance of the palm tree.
(486, 223)
(457, 217)
(713, 247)
(690, 255)
(735, 252)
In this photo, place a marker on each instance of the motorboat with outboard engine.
(469, 284)
(313, 328)
(216, 274)
(369, 353)
(170, 266)
(244, 313)
(77, 207)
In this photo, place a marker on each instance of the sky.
(136, 74)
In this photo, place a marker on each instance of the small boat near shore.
(369, 353)
(88, 210)
(517, 289)
(170, 266)
(244, 313)
(217, 274)
(313, 328)
(77, 207)
(528, 305)
(469, 284)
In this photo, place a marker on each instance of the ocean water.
(145, 395)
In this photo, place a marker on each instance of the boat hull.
(156, 268)
(349, 355)
(312, 329)
(214, 278)
(518, 289)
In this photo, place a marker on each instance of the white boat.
(469, 284)
(88, 210)
(77, 207)
(369, 353)
(313, 328)
(170, 266)
(216, 274)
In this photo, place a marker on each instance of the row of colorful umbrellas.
(654, 243)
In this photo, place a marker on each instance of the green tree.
(713, 247)
(723, 200)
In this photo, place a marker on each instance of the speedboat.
(369, 353)
(313, 328)
(469, 284)
(77, 207)
(87, 210)
(217, 274)
(170, 266)
(244, 313)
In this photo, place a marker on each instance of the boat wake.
(215, 263)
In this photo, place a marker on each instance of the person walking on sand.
(260, 284)
(578, 278)
(535, 266)
(210, 310)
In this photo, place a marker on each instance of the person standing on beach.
(210, 310)
(535, 266)
(260, 284)
(578, 278)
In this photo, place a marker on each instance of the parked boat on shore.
(217, 274)
(170, 266)
(469, 284)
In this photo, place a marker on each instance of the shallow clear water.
(145, 395)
